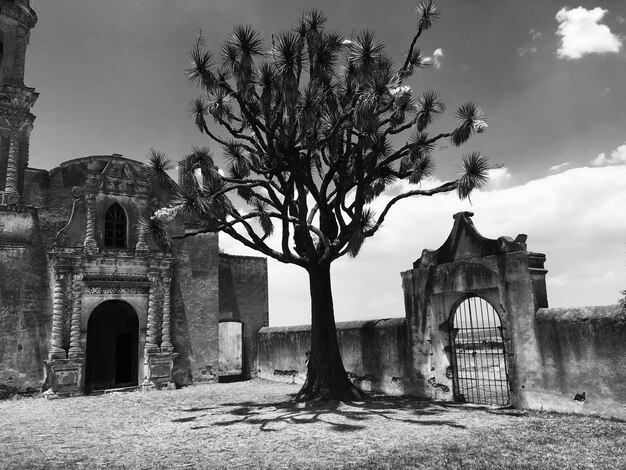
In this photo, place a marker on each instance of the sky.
(548, 74)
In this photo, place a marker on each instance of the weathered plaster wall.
(582, 350)
(195, 309)
(374, 353)
(36, 187)
(24, 295)
(243, 297)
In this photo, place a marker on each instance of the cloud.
(559, 166)
(581, 33)
(498, 178)
(569, 216)
(532, 48)
(526, 50)
(617, 157)
(435, 60)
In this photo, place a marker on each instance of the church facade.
(88, 301)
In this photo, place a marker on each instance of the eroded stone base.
(65, 376)
(158, 368)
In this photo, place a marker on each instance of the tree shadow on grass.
(340, 417)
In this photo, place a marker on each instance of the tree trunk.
(326, 376)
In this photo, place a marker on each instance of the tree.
(308, 131)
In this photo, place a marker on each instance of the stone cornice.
(156, 258)
(19, 208)
(21, 13)
(103, 279)
(17, 97)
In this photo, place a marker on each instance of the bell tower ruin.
(17, 18)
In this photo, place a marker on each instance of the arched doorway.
(230, 351)
(112, 347)
(478, 355)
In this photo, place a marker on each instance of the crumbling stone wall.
(195, 309)
(583, 360)
(24, 295)
(374, 353)
(243, 297)
(208, 288)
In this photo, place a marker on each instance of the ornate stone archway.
(503, 273)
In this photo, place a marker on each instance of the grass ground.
(254, 425)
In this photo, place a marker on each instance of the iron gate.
(478, 355)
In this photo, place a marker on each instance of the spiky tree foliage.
(311, 127)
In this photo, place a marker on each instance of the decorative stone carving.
(142, 246)
(117, 290)
(12, 166)
(19, 100)
(62, 238)
(90, 244)
(151, 333)
(159, 367)
(94, 278)
(75, 348)
(58, 301)
(166, 342)
(118, 177)
(64, 376)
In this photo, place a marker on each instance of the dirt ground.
(254, 425)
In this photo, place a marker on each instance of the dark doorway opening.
(479, 356)
(112, 347)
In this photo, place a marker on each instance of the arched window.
(115, 227)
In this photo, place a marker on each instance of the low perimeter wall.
(583, 361)
(374, 353)
(576, 365)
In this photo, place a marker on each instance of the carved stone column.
(166, 342)
(90, 240)
(25, 143)
(77, 291)
(12, 165)
(142, 246)
(20, 53)
(58, 300)
(151, 333)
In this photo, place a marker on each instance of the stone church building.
(88, 301)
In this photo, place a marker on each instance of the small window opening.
(115, 227)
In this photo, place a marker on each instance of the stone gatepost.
(501, 273)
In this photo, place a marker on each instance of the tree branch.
(444, 188)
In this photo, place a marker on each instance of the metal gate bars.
(478, 356)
